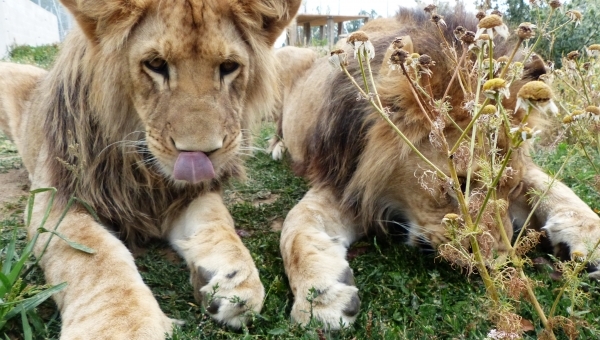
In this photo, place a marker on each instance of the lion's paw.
(580, 233)
(230, 294)
(336, 305)
(276, 148)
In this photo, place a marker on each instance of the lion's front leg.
(564, 216)
(105, 297)
(314, 242)
(223, 273)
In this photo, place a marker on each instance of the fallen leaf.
(527, 325)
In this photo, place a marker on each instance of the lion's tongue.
(193, 167)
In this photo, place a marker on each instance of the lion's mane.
(96, 141)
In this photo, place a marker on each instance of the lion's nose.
(206, 146)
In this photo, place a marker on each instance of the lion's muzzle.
(193, 167)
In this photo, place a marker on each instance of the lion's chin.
(193, 167)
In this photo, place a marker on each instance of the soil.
(14, 184)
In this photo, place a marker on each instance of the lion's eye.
(157, 65)
(228, 67)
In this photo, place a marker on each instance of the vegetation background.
(405, 293)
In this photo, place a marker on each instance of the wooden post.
(307, 33)
(321, 32)
(340, 28)
(330, 32)
(293, 33)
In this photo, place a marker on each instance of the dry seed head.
(574, 15)
(593, 50)
(526, 30)
(494, 84)
(578, 114)
(555, 4)
(484, 37)
(495, 87)
(490, 21)
(568, 119)
(398, 57)
(468, 38)
(415, 55)
(438, 19)
(451, 217)
(338, 58)
(425, 60)
(459, 31)
(593, 109)
(359, 41)
(338, 51)
(488, 110)
(492, 24)
(573, 55)
(357, 36)
(503, 59)
(480, 15)
(430, 8)
(536, 91)
(397, 43)
(497, 12)
(586, 66)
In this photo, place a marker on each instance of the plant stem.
(462, 136)
(510, 59)
(542, 196)
(439, 172)
(416, 95)
(536, 304)
(362, 69)
(479, 260)
(581, 266)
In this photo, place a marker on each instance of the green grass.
(41, 56)
(405, 294)
(9, 158)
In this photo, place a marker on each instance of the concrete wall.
(22, 22)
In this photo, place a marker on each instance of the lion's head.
(159, 95)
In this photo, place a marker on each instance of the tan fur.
(292, 62)
(101, 125)
(364, 177)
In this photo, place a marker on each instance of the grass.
(405, 293)
(41, 56)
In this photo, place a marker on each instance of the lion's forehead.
(192, 28)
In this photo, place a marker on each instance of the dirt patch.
(264, 197)
(14, 184)
(277, 225)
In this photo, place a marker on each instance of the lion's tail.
(17, 85)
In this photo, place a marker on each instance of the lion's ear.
(106, 21)
(534, 69)
(265, 17)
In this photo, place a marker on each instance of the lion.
(144, 116)
(292, 62)
(364, 178)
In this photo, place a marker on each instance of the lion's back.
(17, 82)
